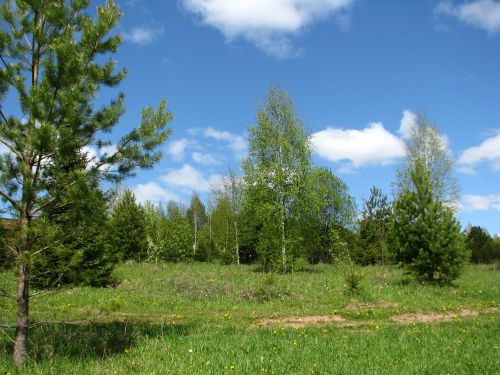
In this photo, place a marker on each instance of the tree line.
(282, 212)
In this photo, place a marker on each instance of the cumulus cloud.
(188, 178)
(143, 35)
(481, 202)
(204, 159)
(177, 149)
(266, 23)
(235, 142)
(152, 192)
(408, 121)
(373, 145)
(488, 152)
(483, 14)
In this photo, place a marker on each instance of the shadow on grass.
(90, 340)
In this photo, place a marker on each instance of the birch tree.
(230, 187)
(197, 217)
(427, 146)
(278, 161)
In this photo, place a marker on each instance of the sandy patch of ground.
(432, 317)
(303, 321)
(359, 306)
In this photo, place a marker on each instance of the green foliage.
(248, 237)
(197, 217)
(275, 169)
(128, 229)
(353, 278)
(428, 147)
(483, 248)
(155, 227)
(179, 240)
(327, 207)
(300, 265)
(56, 58)
(74, 246)
(373, 229)
(427, 235)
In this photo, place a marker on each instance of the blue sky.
(356, 69)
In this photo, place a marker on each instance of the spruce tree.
(427, 235)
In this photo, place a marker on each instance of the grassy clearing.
(204, 318)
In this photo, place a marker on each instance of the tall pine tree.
(55, 57)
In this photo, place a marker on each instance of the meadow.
(201, 318)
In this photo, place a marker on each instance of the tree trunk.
(283, 247)
(20, 352)
(195, 244)
(22, 296)
(237, 242)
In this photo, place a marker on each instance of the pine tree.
(128, 229)
(427, 235)
(178, 237)
(481, 245)
(74, 247)
(373, 229)
(54, 58)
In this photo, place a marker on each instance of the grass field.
(212, 319)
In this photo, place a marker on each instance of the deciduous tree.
(279, 159)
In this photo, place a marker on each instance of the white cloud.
(204, 159)
(481, 202)
(235, 142)
(152, 192)
(3, 149)
(143, 34)
(91, 155)
(177, 149)
(189, 178)
(373, 145)
(408, 121)
(483, 14)
(488, 151)
(266, 23)
(108, 150)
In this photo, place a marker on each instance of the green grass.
(202, 318)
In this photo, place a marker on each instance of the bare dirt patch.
(303, 321)
(492, 310)
(432, 317)
(356, 305)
